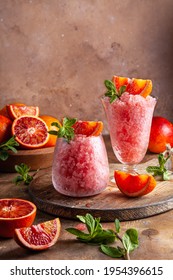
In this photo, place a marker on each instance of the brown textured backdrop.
(57, 53)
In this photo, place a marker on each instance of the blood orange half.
(30, 132)
(15, 213)
(88, 128)
(134, 184)
(16, 111)
(38, 237)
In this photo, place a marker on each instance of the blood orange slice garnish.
(15, 213)
(16, 111)
(140, 86)
(39, 237)
(133, 86)
(120, 81)
(30, 132)
(134, 184)
(88, 128)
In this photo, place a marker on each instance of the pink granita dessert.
(80, 167)
(129, 120)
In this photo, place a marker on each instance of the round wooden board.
(108, 205)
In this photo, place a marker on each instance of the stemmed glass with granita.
(129, 110)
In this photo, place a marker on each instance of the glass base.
(130, 168)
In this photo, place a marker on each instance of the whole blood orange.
(52, 138)
(88, 128)
(5, 128)
(161, 134)
(134, 184)
(18, 110)
(30, 132)
(38, 237)
(15, 213)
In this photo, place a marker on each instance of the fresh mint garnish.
(23, 176)
(65, 131)
(129, 243)
(160, 170)
(96, 234)
(6, 146)
(112, 91)
(99, 236)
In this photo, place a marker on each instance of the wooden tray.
(108, 205)
(35, 159)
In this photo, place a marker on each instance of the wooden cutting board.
(108, 205)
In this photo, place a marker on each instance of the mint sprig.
(161, 169)
(99, 236)
(96, 234)
(6, 146)
(65, 131)
(112, 92)
(23, 171)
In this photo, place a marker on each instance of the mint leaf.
(117, 225)
(130, 239)
(113, 252)
(23, 176)
(65, 131)
(112, 91)
(160, 170)
(6, 146)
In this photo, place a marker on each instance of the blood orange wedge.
(120, 81)
(88, 128)
(49, 120)
(4, 112)
(133, 86)
(15, 213)
(30, 132)
(38, 237)
(17, 110)
(134, 185)
(140, 86)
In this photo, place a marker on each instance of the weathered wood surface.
(108, 205)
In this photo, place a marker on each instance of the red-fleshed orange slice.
(134, 184)
(120, 81)
(133, 86)
(139, 86)
(15, 213)
(38, 237)
(30, 132)
(88, 128)
(16, 111)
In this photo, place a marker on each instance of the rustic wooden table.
(155, 232)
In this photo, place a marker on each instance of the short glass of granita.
(80, 166)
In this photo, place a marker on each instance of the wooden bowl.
(35, 159)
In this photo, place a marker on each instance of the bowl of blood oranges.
(30, 129)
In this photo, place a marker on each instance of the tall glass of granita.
(80, 166)
(129, 116)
